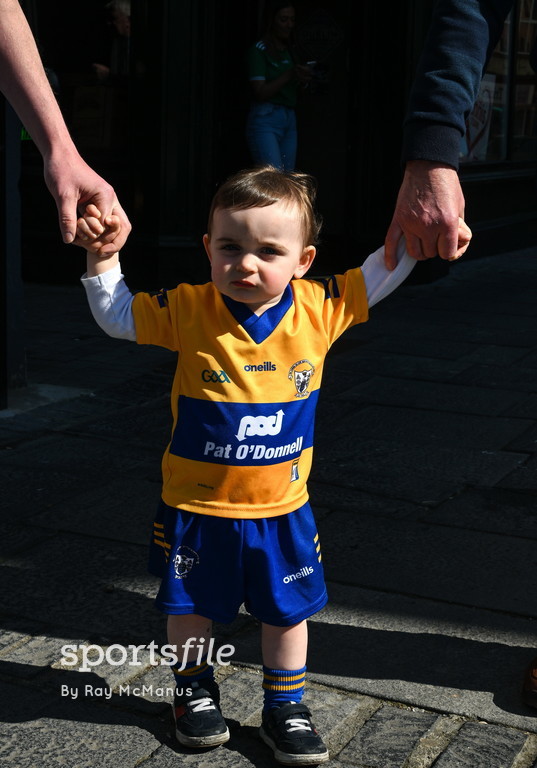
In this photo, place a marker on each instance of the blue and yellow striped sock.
(283, 685)
(192, 672)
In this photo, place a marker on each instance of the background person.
(271, 129)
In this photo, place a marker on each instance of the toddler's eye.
(230, 247)
(268, 251)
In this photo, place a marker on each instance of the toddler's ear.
(306, 260)
(207, 246)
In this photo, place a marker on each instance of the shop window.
(525, 102)
(502, 125)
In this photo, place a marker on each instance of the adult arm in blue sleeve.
(460, 41)
(461, 38)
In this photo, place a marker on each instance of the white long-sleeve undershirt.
(110, 299)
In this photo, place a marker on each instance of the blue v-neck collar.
(259, 327)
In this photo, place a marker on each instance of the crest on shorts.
(301, 373)
(184, 560)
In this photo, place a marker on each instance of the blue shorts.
(211, 565)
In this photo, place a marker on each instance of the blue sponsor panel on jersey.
(243, 434)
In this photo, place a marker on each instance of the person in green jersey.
(274, 77)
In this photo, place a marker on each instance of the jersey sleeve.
(155, 319)
(257, 65)
(343, 302)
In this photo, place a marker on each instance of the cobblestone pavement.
(424, 489)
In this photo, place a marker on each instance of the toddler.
(234, 525)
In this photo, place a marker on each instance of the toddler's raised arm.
(108, 296)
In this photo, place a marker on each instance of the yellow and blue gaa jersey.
(245, 390)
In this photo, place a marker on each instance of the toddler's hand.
(92, 232)
(465, 235)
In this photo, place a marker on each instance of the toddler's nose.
(247, 263)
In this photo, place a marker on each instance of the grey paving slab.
(19, 631)
(530, 360)
(525, 442)
(239, 752)
(33, 655)
(496, 510)
(75, 735)
(81, 582)
(145, 384)
(338, 497)
(14, 538)
(524, 477)
(387, 738)
(480, 745)
(62, 416)
(429, 396)
(466, 567)
(525, 409)
(423, 475)
(48, 470)
(404, 366)
(130, 502)
(148, 425)
(412, 426)
(495, 377)
(421, 345)
(491, 354)
(460, 324)
(242, 696)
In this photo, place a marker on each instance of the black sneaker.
(198, 720)
(288, 730)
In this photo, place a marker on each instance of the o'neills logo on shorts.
(306, 571)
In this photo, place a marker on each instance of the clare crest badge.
(300, 373)
(184, 560)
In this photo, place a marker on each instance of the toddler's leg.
(285, 647)
(287, 727)
(198, 719)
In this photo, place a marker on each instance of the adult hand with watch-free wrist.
(428, 211)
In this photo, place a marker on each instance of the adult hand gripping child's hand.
(94, 232)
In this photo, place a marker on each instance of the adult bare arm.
(24, 83)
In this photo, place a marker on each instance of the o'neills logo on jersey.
(301, 373)
(306, 571)
(266, 366)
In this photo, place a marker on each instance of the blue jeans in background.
(271, 135)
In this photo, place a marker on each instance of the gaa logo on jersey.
(184, 560)
(301, 373)
(215, 376)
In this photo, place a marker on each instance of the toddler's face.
(255, 252)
